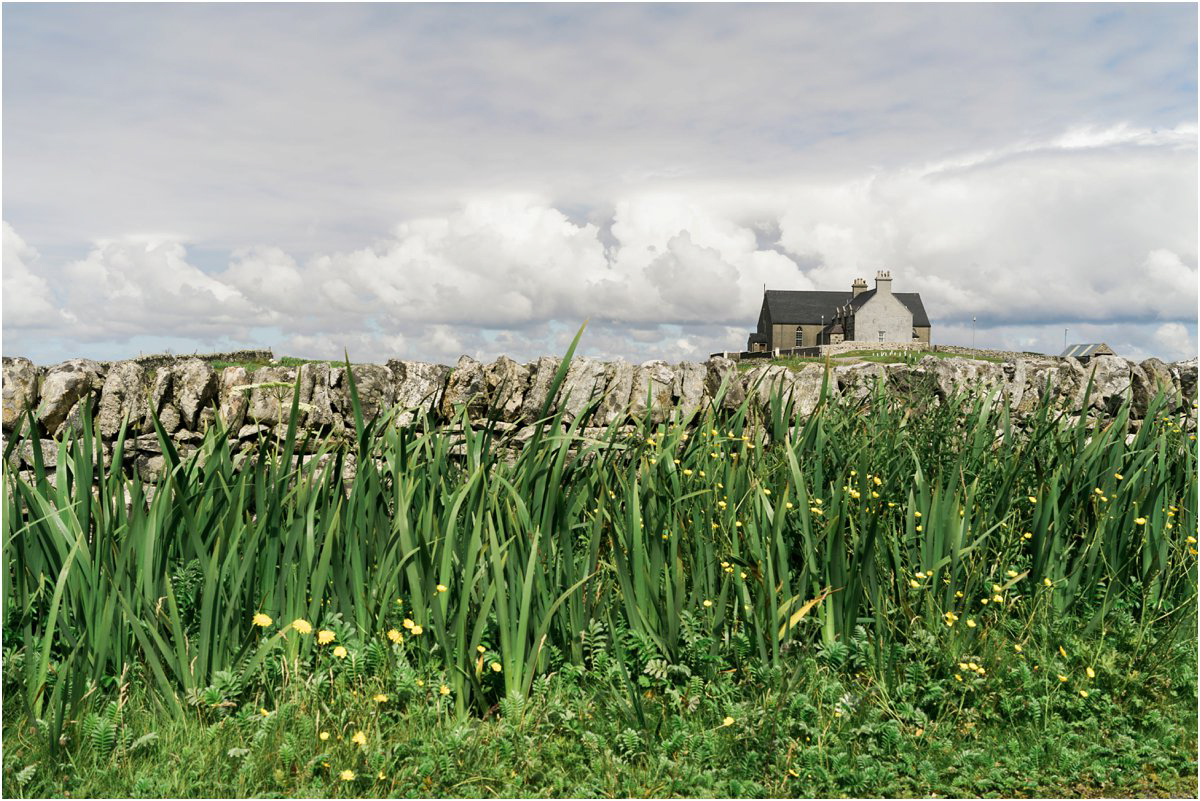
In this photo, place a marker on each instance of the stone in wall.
(64, 387)
(688, 387)
(585, 378)
(123, 399)
(721, 372)
(466, 387)
(233, 402)
(271, 405)
(618, 385)
(541, 375)
(375, 387)
(505, 383)
(652, 392)
(418, 386)
(21, 379)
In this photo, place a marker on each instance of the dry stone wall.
(188, 395)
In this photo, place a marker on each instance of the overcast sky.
(422, 181)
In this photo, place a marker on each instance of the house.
(800, 319)
(1085, 351)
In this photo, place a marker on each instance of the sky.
(424, 181)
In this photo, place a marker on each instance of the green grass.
(283, 361)
(732, 564)
(859, 356)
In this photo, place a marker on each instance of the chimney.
(858, 287)
(883, 282)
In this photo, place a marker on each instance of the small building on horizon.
(807, 318)
(1085, 351)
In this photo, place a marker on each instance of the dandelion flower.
(496, 667)
(347, 775)
(920, 528)
(324, 736)
(687, 472)
(1062, 678)
(262, 620)
(340, 652)
(1062, 652)
(480, 649)
(1032, 499)
(788, 505)
(914, 583)
(444, 690)
(707, 603)
(420, 682)
(324, 637)
(970, 622)
(1191, 540)
(395, 636)
(302, 626)
(417, 630)
(359, 738)
(1017, 648)
(1048, 582)
(728, 721)
(1091, 674)
(1028, 535)
(379, 698)
(1083, 693)
(441, 588)
(1118, 476)
(1141, 521)
(264, 712)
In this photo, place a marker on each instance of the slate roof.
(791, 307)
(1087, 350)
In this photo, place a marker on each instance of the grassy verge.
(867, 600)
(834, 723)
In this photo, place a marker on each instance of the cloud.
(428, 180)
(28, 301)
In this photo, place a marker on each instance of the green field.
(876, 600)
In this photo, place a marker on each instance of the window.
(881, 336)
(799, 336)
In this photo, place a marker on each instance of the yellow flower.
(359, 738)
(728, 721)
(687, 472)
(958, 676)
(920, 528)
(1061, 677)
(302, 626)
(444, 690)
(480, 649)
(891, 504)
(707, 603)
(324, 637)
(395, 636)
(417, 630)
(914, 583)
(420, 682)
(347, 775)
(264, 712)
(878, 481)
(1083, 693)
(324, 736)
(1017, 648)
(1091, 673)
(496, 667)
(340, 652)
(1118, 476)
(1048, 582)
(998, 599)
(1062, 652)
(381, 776)
(963, 666)
(1012, 574)
(380, 698)
(1028, 535)
(970, 622)
(262, 620)
(408, 624)
(1141, 521)
(788, 505)
(1032, 499)
(441, 588)
(1191, 540)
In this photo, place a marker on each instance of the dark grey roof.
(1087, 350)
(756, 337)
(807, 306)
